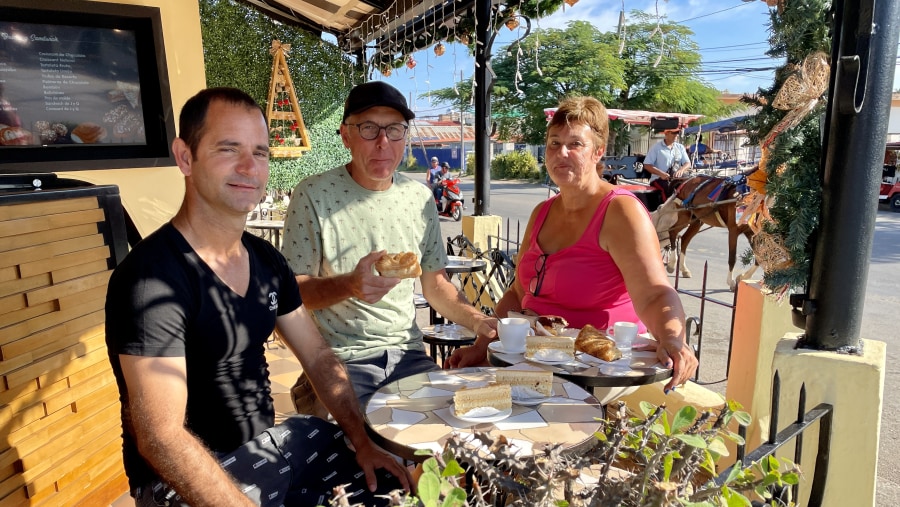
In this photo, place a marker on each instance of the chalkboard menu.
(84, 84)
(64, 84)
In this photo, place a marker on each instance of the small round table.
(445, 338)
(458, 265)
(415, 413)
(273, 227)
(463, 267)
(607, 380)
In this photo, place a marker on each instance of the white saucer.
(486, 419)
(497, 346)
(528, 402)
(550, 362)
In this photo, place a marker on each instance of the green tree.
(579, 60)
(236, 42)
(656, 70)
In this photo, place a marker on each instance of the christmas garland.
(784, 204)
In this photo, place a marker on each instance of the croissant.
(399, 265)
(591, 341)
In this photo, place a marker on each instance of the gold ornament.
(512, 23)
(464, 39)
(386, 71)
(439, 49)
(411, 63)
(571, 2)
(800, 93)
(806, 83)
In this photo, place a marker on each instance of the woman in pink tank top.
(591, 254)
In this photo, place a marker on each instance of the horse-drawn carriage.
(698, 200)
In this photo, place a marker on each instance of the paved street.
(515, 200)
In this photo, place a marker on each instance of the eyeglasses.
(370, 130)
(534, 286)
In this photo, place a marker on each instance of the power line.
(712, 13)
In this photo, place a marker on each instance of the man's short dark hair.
(192, 120)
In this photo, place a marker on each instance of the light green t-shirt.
(332, 223)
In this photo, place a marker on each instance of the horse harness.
(737, 182)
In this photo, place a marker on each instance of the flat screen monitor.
(83, 85)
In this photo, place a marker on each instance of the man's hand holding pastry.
(367, 284)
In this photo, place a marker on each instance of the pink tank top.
(581, 282)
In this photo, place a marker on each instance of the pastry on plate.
(496, 396)
(540, 381)
(555, 348)
(591, 340)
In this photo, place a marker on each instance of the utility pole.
(409, 140)
(462, 132)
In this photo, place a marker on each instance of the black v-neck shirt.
(165, 301)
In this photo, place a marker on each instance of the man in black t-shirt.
(187, 315)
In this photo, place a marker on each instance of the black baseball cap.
(375, 93)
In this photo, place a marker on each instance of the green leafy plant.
(320, 71)
(638, 461)
(515, 165)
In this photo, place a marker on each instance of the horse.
(703, 200)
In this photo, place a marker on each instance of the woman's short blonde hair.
(584, 110)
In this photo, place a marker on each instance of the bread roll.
(14, 136)
(399, 265)
(591, 341)
(88, 133)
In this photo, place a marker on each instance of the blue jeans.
(371, 373)
(295, 463)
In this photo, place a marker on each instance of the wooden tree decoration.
(288, 136)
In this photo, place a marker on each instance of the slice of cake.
(547, 347)
(497, 396)
(537, 380)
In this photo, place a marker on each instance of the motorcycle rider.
(434, 179)
(439, 188)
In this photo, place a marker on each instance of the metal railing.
(822, 414)
(695, 323)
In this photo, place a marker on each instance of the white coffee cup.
(623, 333)
(512, 332)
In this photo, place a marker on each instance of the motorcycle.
(451, 202)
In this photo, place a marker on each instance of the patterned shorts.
(296, 463)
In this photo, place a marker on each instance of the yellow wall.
(152, 195)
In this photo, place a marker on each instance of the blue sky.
(731, 35)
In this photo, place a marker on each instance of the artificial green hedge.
(236, 42)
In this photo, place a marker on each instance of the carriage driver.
(666, 159)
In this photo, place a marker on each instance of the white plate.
(497, 346)
(550, 362)
(528, 402)
(486, 419)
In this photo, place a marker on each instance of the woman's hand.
(679, 356)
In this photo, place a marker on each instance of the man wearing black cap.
(665, 160)
(340, 222)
